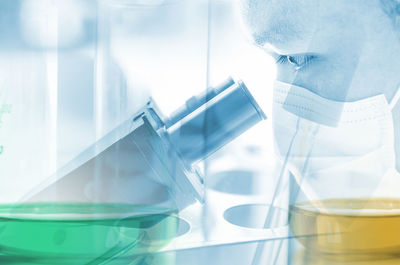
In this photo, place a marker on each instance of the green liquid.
(54, 233)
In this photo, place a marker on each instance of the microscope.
(138, 159)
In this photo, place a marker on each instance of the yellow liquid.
(348, 226)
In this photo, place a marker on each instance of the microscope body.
(151, 160)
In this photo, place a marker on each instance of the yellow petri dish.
(348, 226)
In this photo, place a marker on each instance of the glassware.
(66, 87)
(343, 201)
(104, 162)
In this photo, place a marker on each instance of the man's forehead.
(282, 22)
(274, 21)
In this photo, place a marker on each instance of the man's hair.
(392, 8)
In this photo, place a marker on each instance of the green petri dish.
(82, 233)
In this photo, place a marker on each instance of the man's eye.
(298, 61)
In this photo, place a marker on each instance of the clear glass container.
(341, 158)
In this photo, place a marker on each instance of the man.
(336, 113)
(345, 44)
(341, 51)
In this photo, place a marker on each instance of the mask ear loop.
(395, 99)
(392, 104)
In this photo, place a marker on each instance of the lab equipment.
(40, 23)
(146, 146)
(165, 150)
(46, 89)
(58, 110)
(363, 228)
(68, 233)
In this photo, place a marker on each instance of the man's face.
(339, 49)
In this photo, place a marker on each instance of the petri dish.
(348, 227)
(82, 233)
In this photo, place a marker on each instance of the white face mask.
(333, 144)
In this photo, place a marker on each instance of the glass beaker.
(342, 162)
